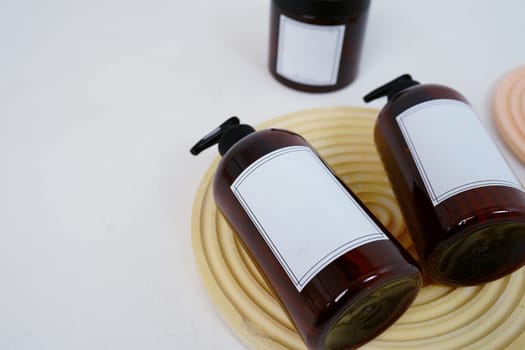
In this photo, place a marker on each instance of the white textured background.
(100, 102)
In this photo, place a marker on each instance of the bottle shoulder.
(250, 149)
(416, 95)
(260, 143)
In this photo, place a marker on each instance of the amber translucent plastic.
(351, 50)
(471, 238)
(350, 301)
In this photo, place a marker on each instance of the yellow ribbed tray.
(491, 316)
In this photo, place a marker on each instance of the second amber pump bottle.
(464, 207)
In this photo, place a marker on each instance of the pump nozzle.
(226, 135)
(213, 136)
(391, 88)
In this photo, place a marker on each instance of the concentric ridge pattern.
(509, 110)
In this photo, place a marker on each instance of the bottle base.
(479, 255)
(371, 313)
(310, 88)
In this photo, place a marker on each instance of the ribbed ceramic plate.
(509, 110)
(491, 316)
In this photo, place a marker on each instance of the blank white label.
(307, 218)
(452, 150)
(307, 53)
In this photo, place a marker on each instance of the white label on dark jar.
(306, 216)
(309, 54)
(452, 150)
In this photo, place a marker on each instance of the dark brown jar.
(463, 205)
(316, 45)
(339, 275)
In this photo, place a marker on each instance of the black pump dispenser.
(226, 135)
(392, 88)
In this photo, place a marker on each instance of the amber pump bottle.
(338, 274)
(463, 205)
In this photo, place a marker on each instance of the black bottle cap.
(324, 8)
(392, 88)
(226, 135)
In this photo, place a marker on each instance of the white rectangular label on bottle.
(452, 150)
(309, 54)
(305, 215)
